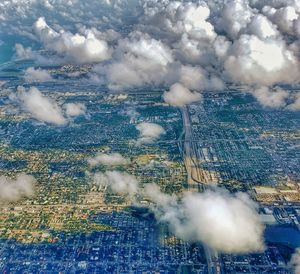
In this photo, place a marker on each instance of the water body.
(7, 46)
(286, 235)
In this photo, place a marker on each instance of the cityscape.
(151, 137)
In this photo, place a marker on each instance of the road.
(190, 157)
(188, 153)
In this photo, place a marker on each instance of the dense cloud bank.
(201, 45)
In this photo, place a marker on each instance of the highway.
(188, 154)
(190, 157)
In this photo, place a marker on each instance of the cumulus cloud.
(171, 19)
(138, 60)
(75, 48)
(46, 109)
(24, 53)
(224, 222)
(235, 16)
(252, 62)
(295, 261)
(40, 107)
(192, 42)
(262, 27)
(283, 17)
(184, 27)
(269, 98)
(119, 182)
(74, 109)
(37, 75)
(113, 159)
(196, 78)
(178, 95)
(13, 190)
(295, 105)
(149, 132)
(277, 98)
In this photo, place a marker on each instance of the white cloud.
(295, 261)
(195, 21)
(252, 62)
(13, 190)
(37, 75)
(24, 53)
(277, 98)
(283, 17)
(196, 78)
(193, 78)
(178, 95)
(262, 27)
(46, 109)
(119, 182)
(225, 222)
(75, 48)
(149, 132)
(235, 16)
(40, 107)
(271, 98)
(74, 109)
(295, 105)
(113, 159)
(139, 60)
(171, 19)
